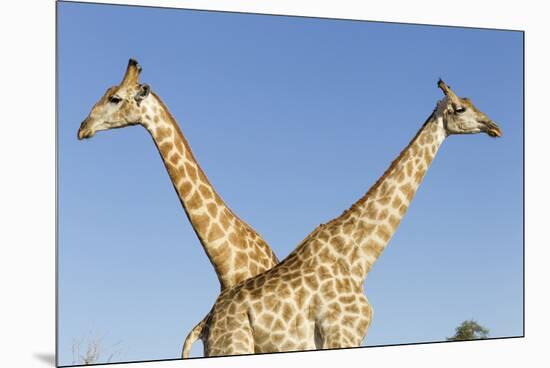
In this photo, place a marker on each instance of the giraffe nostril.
(84, 123)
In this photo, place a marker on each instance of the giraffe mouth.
(84, 131)
(493, 130)
(85, 134)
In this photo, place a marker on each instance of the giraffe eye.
(460, 109)
(114, 99)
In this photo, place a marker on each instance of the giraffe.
(314, 298)
(234, 248)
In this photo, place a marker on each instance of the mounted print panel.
(234, 183)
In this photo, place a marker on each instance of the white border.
(27, 201)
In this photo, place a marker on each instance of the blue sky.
(292, 119)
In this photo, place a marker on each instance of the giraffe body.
(314, 299)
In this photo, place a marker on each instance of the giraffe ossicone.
(314, 298)
(236, 251)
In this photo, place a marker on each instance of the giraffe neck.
(380, 211)
(356, 239)
(235, 250)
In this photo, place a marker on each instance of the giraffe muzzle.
(493, 130)
(84, 132)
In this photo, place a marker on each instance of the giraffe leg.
(331, 336)
(348, 329)
(235, 341)
(364, 319)
(242, 343)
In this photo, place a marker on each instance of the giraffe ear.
(143, 92)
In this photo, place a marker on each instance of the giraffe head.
(460, 116)
(119, 106)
